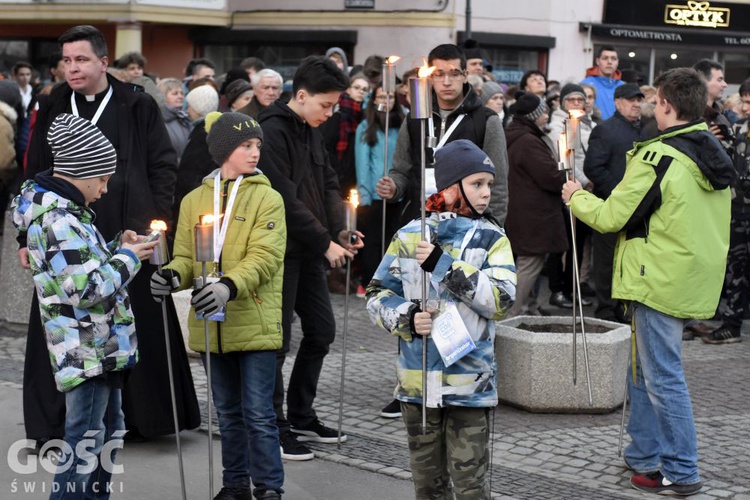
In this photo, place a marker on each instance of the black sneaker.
(291, 449)
(723, 335)
(560, 300)
(234, 493)
(268, 495)
(584, 301)
(319, 433)
(391, 410)
(656, 483)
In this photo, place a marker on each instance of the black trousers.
(603, 246)
(370, 222)
(306, 293)
(560, 266)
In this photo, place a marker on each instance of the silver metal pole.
(168, 342)
(209, 397)
(622, 419)
(343, 351)
(577, 294)
(385, 160)
(424, 282)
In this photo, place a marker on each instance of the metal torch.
(350, 207)
(420, 90)
(568, 143)
(160, 258)
(204, 253)
(389, 87)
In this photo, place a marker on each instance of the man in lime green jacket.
(672, 212)
(245, 287)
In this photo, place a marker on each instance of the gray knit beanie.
(458, 159)
(79, 149)
(530, 106)
(226, 131)
(488, 90)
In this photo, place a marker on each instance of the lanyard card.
(450, 335)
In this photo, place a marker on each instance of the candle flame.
(208, 219)
(158, 225)
(354, 198)
(576, 113)
(425, 71)
(392, 59)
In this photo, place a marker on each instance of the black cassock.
(140, 190)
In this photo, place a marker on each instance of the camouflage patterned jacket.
(476, 272)
(81, 282)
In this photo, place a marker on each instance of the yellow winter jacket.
(252, 258)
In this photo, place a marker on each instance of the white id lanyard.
(221, 234)
(99, 110)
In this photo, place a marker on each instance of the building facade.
(557, 37)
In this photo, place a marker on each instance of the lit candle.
(351, 215)
(204, 239)
(420, 91)
(160, 256)
(389, 75)
(573, 128)
(562, 151)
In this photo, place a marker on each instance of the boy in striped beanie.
(81, 283)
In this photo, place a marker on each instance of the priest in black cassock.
(141, 190)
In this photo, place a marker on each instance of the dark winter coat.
(296, 162)
(195, 164)
(535, 224)
(146, 161)
(140, 190)
(605, 158)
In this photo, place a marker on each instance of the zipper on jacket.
(224, 211)
(442, 127)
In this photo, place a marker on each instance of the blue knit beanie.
(459, 159)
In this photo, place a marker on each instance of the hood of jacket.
(702, 147)
(256, 177)
(8, 112)
(594, 71)
(46, 193)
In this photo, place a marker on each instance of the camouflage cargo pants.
(451, 460)
(736, 283)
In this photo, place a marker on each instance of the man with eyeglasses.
(458, 113)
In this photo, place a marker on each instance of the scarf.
(460, 206)
(351, 114)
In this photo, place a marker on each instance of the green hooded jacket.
(252, 258)
(672, 210)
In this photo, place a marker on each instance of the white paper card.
(430, 185)
(450, 335)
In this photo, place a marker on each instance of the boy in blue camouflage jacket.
(471, 267)
(81, 282)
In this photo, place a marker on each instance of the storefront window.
(669, 58)
(12, 51)
(509, 64)
(736, 66)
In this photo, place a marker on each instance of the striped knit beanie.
(79, 149)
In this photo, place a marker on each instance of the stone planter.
(535, 369)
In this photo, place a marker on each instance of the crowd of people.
(100, 148)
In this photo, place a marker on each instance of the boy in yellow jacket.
(249, 246)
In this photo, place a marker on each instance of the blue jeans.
(92, 421)
(243, 384)
(661, 416)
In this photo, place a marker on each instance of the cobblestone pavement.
(535, 456)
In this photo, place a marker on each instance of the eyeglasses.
(360, 89)
(452, 75)
(575, 99)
